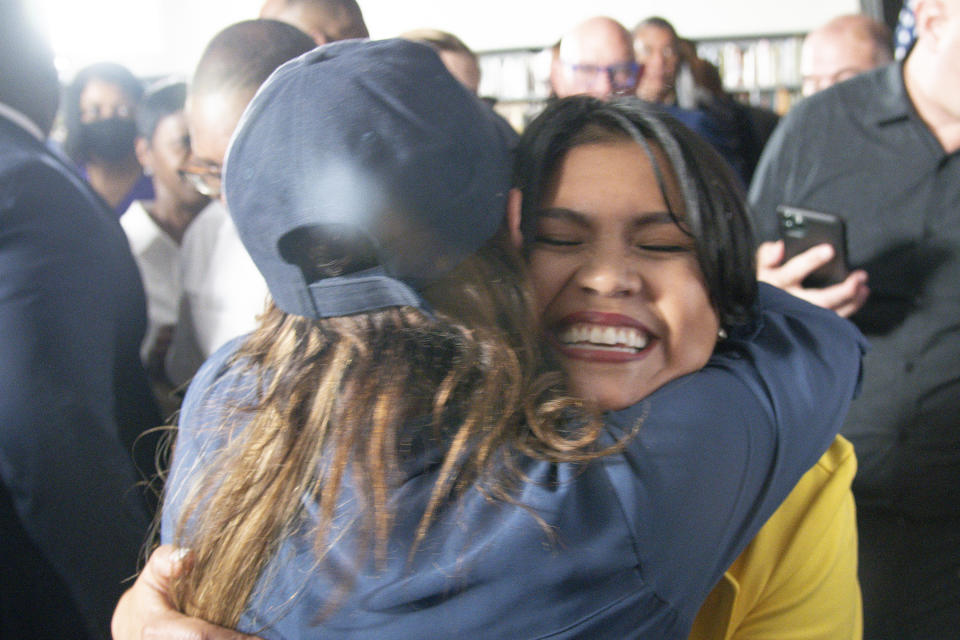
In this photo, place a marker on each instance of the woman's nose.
(609, 273)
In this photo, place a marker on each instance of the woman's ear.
(514, 205)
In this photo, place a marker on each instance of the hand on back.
(145, 611)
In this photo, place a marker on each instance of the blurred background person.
(674, 75)
(842, 48)
(323, 20)
(156, 227)
(222, 290)
(656, 46)
(99, 113)
(595, 58)
(74, 397)
(457, 57)
(745, 128)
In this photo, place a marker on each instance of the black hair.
(714, 210)
(659, 23)
(159, 102)
(344, 15)
(244, 54)
(110, 72)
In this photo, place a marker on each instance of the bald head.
(231, 69)
(243, 55)
(323, 20)
(595, 58)
(842, 48)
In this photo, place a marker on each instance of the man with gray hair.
(883, 151)
(842, 48)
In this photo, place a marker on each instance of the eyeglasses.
(622, 77)
(206, 178)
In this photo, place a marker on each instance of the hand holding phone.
(803, 229)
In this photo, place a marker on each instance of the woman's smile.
(599, 336)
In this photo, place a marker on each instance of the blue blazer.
(73, 400)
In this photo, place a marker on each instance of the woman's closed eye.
(663, 239)
(664, 248)
(557, 241)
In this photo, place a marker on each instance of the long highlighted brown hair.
(341, 401)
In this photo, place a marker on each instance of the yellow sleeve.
(797, 579)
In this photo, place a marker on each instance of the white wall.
(504, 24)
(156, 37)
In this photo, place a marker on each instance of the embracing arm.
(719, 450)
(145, 611)
(798, 577)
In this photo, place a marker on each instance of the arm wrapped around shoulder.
(808, 360)
(719, 450)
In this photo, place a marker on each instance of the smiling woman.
(637, 254)
(637, 243)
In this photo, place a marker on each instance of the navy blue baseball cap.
(369, 138)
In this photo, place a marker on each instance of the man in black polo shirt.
(881, 150)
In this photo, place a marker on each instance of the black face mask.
(109, 140)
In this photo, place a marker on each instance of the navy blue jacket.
(639, 537)
(73, 399)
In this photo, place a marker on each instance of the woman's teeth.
(603, 337)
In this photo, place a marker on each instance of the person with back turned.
(75, 399)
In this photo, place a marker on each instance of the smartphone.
(801, 229)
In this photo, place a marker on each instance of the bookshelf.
(518, 80)
(762, 70)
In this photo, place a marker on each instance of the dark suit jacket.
(73, 400)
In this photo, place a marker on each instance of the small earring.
(722, 333)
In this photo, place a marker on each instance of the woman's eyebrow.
(564, 214)
(654, 217)
(584, 219)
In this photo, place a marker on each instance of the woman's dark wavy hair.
(111, 72)
(714, 210)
